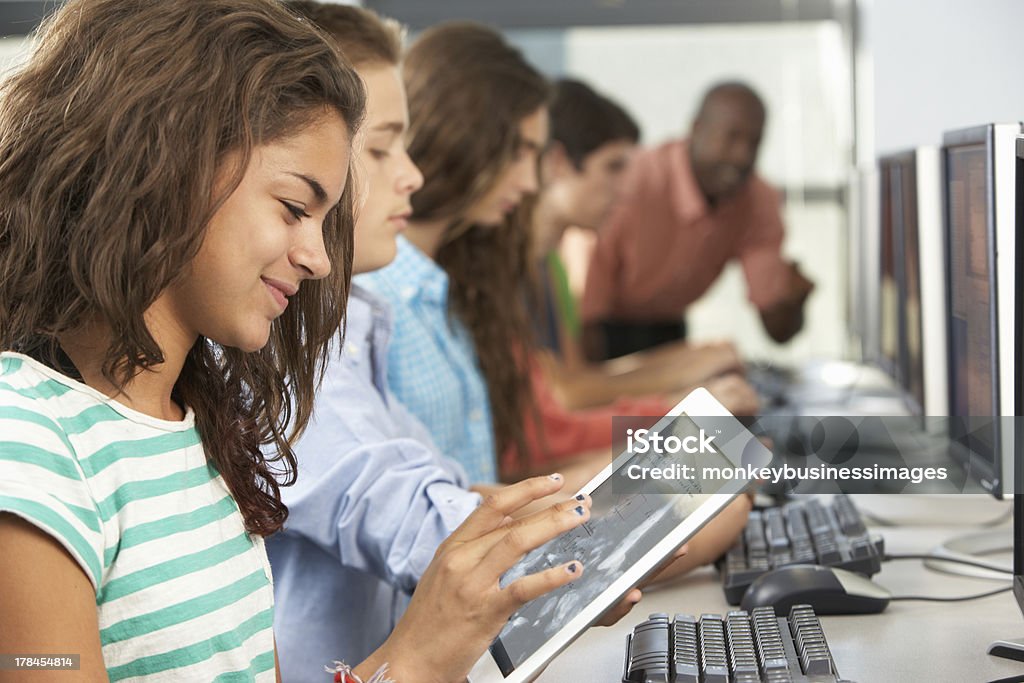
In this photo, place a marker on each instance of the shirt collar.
(365, 311)
(367, 333)
(417, 275)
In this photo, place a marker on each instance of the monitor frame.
(1000, 169)
(932, 256)
(866, 286)
(1018, 328)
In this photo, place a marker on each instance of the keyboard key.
(848, 517)
(741, 648)
(861, 548)
(815, 658)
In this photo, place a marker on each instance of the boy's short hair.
(583, 120)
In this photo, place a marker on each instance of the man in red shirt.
(691, 206)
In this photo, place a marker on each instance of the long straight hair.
(111, 138)
(468, 92)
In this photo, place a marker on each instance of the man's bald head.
(725, 138)
(731, 95)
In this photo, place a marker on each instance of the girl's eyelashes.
(378, 154)
(296, 211)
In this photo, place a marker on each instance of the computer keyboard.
(741, 648)
(800, 532)
(772, 383)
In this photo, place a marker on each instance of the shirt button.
(352, 349)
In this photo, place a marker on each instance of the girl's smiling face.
(263, 241)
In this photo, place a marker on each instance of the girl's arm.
(459, 606)
(658, 371)
(47, 605)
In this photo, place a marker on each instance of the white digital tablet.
(647, 503)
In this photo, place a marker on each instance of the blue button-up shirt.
(372, 502)
(432, 365)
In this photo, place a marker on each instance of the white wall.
(12, 52)
(941, 65)
(661, 72)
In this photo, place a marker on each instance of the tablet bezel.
(696, 405)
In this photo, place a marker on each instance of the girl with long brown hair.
(175, 251)
(479, 122)
(170, 218)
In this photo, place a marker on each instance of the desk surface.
(910, 641)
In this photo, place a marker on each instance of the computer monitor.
(1015, 649)
(1018, 351)
(980, 238)
(913, 279)
(981, 182)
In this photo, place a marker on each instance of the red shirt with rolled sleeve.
(663, 246)
(559, 433)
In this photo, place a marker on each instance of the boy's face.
(587, 195)
(384, 172)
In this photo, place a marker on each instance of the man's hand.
(799, 287)
(783, 320)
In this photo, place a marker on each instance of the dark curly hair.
(111, 138)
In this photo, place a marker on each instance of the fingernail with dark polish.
(579, 510)
(555, 477)
(571, 568)
(581, 497)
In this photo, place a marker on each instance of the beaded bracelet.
(343, 674)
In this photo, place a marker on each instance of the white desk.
(910, 641)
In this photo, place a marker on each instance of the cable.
(882, 521)
(1011, 679)
(954, 560)
(962, 598)
(876, 520)
(1007, 515)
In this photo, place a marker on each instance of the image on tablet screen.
(622, 528)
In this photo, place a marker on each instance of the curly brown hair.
(468, 92)
(111, 137)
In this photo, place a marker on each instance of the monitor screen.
(972, 306)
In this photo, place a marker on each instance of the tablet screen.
(624, 525)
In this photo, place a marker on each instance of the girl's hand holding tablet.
(459, 606)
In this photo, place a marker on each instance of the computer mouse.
(829, 590)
